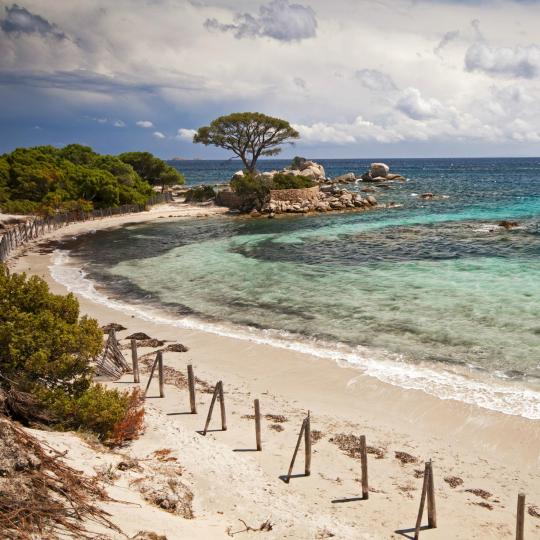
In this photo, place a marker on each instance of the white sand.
(488, 450)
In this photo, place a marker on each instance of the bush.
(46, 351)
(200, 194)
(255, 189)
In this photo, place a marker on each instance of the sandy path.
(487, 450)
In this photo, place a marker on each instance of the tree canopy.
(248, 135)
(49, 179)
(152, 169)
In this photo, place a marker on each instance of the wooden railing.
(34, 228)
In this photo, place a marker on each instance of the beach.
(498, 454)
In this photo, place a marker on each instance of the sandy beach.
(490, 456)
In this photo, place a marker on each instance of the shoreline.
(454, 433)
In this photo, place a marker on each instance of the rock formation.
(380, 172)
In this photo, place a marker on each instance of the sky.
(357, 79)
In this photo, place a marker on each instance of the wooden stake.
(422, 503)
(307, 445)
(432, 513)
(135, 361)
(363, 460)
(520, 519)
(302, 429)
(151, 375)
(257, 424)
(160, 374)
(222, 407)
(218, 391)
(191, 384)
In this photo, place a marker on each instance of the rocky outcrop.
(380, 172)
(309, 169)
(329, 198)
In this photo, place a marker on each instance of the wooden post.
(151, 375)
(218, 391)
(135, 361)
(191, 383)
(307, 445)
(257, 424)
(432, 513)
(112, 335)
(520, 519)
(363, 460)
(302, 431)
(222, 407)
(422, 503)
(160, 374)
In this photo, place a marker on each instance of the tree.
(248, 135)
(152, 169)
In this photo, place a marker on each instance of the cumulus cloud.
(412, 104)
(19, 20)
(158, 135)
(119, 124)
(145, 124)
(186, 134)
(375, 79)
(447, 38)
(518, 62)
(278, 20)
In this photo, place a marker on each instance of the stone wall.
(228, 199)
(295, 195)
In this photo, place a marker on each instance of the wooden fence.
(22, 233)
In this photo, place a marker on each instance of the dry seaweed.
(377, 451)
(404, 457)
(453, 481)
(348, 443)
(482, 493)
(533, 511)
(138, 336)
(175, 347)
(276, 427)
(113, 326)
(40, 496)
(278, 418)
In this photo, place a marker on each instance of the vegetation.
(45, 355)
(46, 179)
(152, 169)
(248, 135)
(200, 194)
(255, 189)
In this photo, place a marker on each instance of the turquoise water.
(409, 294)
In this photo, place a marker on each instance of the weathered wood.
(302, 430)
(222, 407)
(151, 375)
(161, 376)
(211, 408)
(432, 513)
(191, 384)
(257, 424)
(307, 445)
(422, 503)
(135, 361)
(364, 464)
(520, 518)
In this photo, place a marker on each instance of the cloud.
(19, 20)
(278, 20)
(186, 134)
(518, 62)
(375, 80)
(158, 135)
(412, 104)
(145, 124)
(119, 124)
(447, 38)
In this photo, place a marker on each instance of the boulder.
(237, 174)
(368, 190)
(371, 200)
(392, 176)
(379, 169)
(346, 178)
(378, 178)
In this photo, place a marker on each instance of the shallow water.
(433, 295)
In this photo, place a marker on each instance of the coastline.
(489, 450)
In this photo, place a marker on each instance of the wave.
(511, 398)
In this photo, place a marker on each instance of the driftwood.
(112, 364)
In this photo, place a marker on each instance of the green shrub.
(46, 350)
(20, 206)
(290, 181)
(200, 194)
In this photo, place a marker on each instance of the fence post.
(135, 361)
(191, 383)
(307, 445)
(257, 425)
(432, 513)
(160, 375)
(363, 459)
(520, 518)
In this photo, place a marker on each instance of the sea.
(432, 295)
